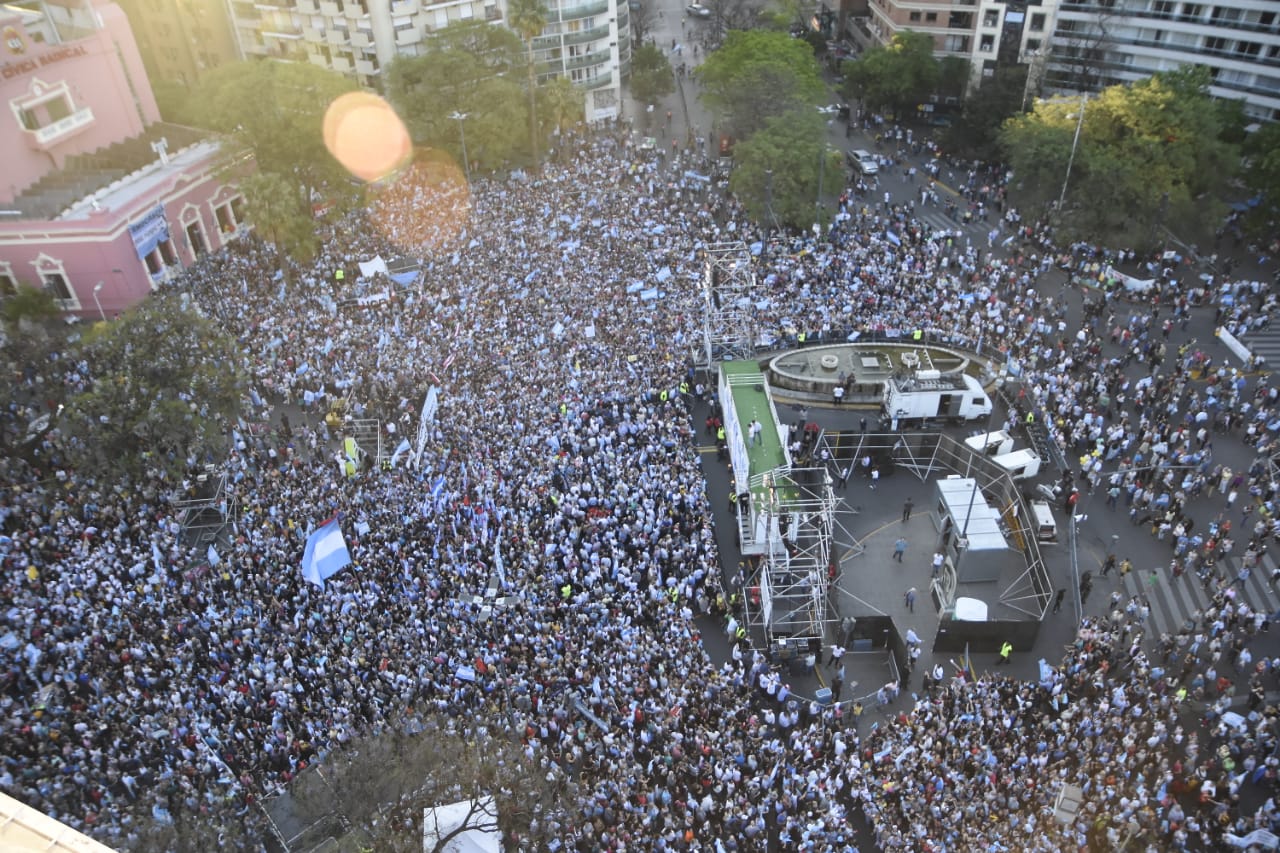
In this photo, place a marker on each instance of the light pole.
(103, 314)
(1062, 197)
(462, 134)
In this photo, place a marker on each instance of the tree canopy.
(474, 69)
(976, 133)
(651, 75)
(276, 110)
(1262, 177)
(791, 146)
(165, 386)
(757, 75)
(896, 76)
(1150, 154)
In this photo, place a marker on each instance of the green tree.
(792, 147)
(1262, 177)
(529, 19)
(896, 76)
(976, 132)
(281, 216)
(276, 110)
(165, 383)
(1150, 155)
(562, 103)
(757, 75)
(466, 72)
(30, 305)
(651, 75)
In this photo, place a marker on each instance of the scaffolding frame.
(924, 454)
(202, 519)
(790, 607)
(728, 304)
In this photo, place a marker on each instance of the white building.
(1095, 45)
(588, 41)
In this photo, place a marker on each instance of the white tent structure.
(477, 820)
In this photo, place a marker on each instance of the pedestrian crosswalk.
(1265, 343)
(937, 219)
(1173, 601)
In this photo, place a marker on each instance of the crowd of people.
(555, 312)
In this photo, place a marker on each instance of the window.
(1033, 45)
(991, 18)
(56, 284)
(987, 44)
(1164, 7)
(1037, 22)
(931, 17)
(1248, 48)
(1214, 44)
(1192, 10)
(915, 17)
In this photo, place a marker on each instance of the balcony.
(330, 9)
(574, 13)
(595, 58)
(367, 67)
(584, 36)
(340, 64)
(404, 38)
(338, 38)
(597, 82)
(361, 39)
(51, 134)
(307, 7)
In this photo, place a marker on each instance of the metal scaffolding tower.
(728, 297)
(788, 605)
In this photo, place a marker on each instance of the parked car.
(863, 161)
(697, 10)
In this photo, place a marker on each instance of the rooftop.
(65, 193)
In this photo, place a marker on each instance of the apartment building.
(181, 39)
(1104, 42)
(588, 41)
(987, 34)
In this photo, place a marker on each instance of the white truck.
(929, 395)
(991, 443)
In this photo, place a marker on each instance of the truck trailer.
(929, 395)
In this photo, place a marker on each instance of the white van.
(991, 443)
(1020, 464)
(1046, 529)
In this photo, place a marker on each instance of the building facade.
(588, 41)
(181, 39)
(101, 199)
(988, 35)
(1095, 45)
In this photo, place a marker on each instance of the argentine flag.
(326, 553)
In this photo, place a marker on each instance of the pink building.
(99, 200)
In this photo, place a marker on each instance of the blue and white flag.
(401, 449)
(326, 553)
(212, 554)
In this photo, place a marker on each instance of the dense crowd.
(555, 312)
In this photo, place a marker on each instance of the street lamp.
(103, 314)
(462, 133)
(1062, 197)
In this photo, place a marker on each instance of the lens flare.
(426, 209)
(365, 135)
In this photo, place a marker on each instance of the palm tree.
(529, 18)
